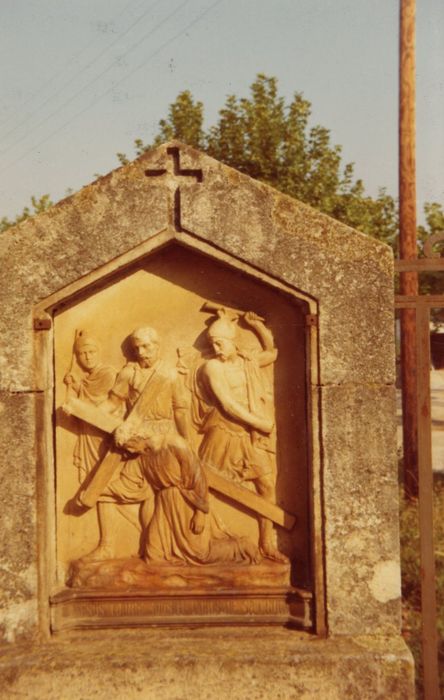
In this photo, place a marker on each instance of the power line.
(127, 75)
(82, 70)
(63, 69)
(94, 80)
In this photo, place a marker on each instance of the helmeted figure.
(237, 414)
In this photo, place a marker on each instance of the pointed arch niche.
(164, 283)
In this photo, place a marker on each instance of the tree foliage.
(272, 141)
(434, 215)
(269, 139)
(38, 205)
(411, 576)
(432, 282)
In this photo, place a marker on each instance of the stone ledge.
(235, 663)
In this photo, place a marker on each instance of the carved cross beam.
(112, 460)
(174, 174)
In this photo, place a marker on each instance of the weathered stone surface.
(242, 664)
(349, 277)
(312, 252)
(361, 510)
(135, 573)
(77, 235)
(18, 543)
(252, 221)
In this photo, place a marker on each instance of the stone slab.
(240, 664)
(136, 574)
(18, 518)
(361, 509)
(133, 593)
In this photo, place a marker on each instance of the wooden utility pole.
(415, 345)
(407, 240)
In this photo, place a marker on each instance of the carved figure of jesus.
(164, 475)
(149, 396)
(181, 528)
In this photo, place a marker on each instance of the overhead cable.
(64, 67)
(127, 75)
(94, 80)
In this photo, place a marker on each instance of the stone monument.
(199, 444)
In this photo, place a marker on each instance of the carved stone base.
(166, 594)
(207, 664)
(135, 573)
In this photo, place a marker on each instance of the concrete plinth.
(210, 664)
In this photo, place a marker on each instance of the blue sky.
(81, 80)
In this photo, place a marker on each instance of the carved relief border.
(44, 343)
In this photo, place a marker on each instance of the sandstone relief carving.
(160, 438)
(237, 406)
(92, 385)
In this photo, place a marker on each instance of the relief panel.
(181, 446)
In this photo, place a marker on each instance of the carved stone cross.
(174, 174)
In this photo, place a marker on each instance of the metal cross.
(177, 172)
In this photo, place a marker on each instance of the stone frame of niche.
(45, 428)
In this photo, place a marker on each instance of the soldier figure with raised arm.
(238, 427)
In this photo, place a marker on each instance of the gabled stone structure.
(176, 227)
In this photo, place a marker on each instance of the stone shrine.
(198, 454)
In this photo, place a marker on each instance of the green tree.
(184, 122)
(272, 141)
(264, 137)
(38, 205)
(434, 215)
(432, 282)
